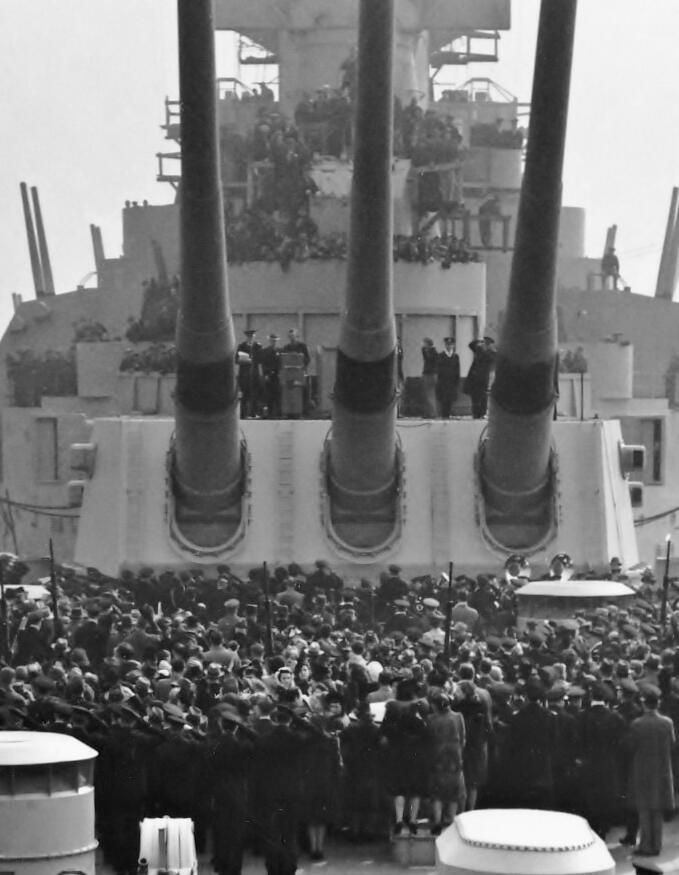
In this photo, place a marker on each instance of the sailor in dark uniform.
(278, 762)
(294, 344)
(531, 749)
(478, 376)
(566, 749)
(629, 709)
(247, 354)
(121, 777)
(269, 371)
(447, 376)
(602, 737)
(228, 775)
(177, 764)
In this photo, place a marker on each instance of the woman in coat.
(447, 733)
(362, 797)
(321, 777)
(477, 720)
(407, 754)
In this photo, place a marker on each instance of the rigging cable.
(41, 509)
(656, 516)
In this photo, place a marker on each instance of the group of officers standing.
(260, 369)
(259, 374)
(441, 377)
(246, 783)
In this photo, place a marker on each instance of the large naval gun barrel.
(207, 470)
(362, 451)
(516, 464)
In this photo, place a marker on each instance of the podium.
(293, 384)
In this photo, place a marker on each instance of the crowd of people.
(446, 250)
(276, 225)
(498, 135)
(53, 373)
(273, 708)
(158, 318)
(157, 358)
(323, 126)
(275, 142)
(573, 361)
(427, 137)
(33, 375)
(325, 120)
(255, 235)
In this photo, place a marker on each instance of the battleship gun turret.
(362, 463)
(515, 463)
(371, 489)
(206, 463)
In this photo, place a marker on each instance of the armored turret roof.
(41, 748)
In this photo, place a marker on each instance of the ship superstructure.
(464, 182)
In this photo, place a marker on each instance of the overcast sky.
(84, 84)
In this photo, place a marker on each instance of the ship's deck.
(375, 858)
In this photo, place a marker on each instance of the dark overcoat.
(651, 739)
(531, 749)
(601, 781)
(447, 733)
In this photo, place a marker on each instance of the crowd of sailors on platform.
(446, 249)
(425, 136)
(342, 702)
(31, 375)
(157, 358)
(255, 235)
(284, 150)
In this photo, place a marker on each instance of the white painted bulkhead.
(125, 516)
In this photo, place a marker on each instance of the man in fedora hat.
(651, 742)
